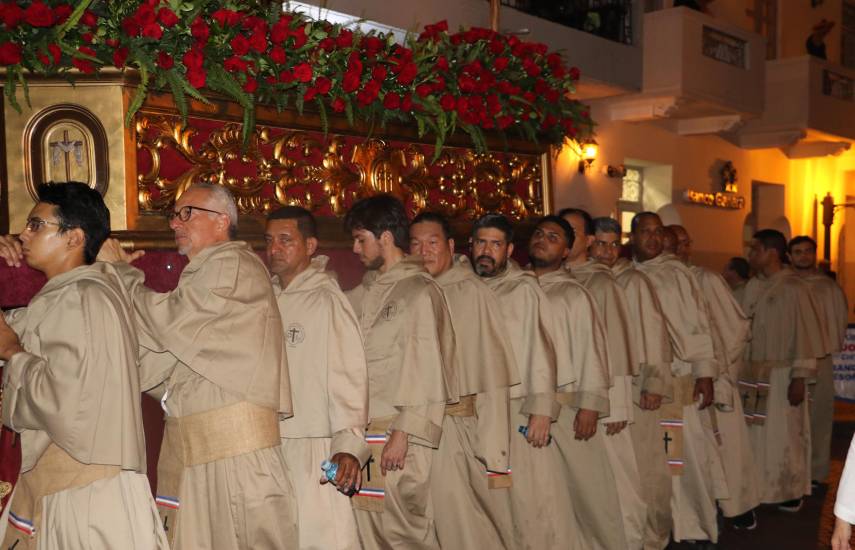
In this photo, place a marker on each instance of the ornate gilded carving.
(326, 174)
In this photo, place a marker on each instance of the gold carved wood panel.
(327, 173)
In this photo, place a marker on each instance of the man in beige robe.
(71, 388)
(730, 330)
(698, 479)
(736, 273)
(654, 385)
(469, 481)
(786, 341)
(540, 494)
(834, 311)
(409, 346)
(213, 352)
(329, 382)
(580, 346)
(623, 366)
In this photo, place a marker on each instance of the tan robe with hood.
(329, 383)
(475, 442)
(213, 352)
(74, 396)
(409, 346)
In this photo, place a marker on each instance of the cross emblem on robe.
(667, 439)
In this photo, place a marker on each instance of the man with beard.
(653, 386)
(540, 493)
(71, 387)
(834, 311)
(698, 477)
(786, 340)
(329, 381)
(580, 345)
(475, 509)
(730, 331)
(409, 346)
(213, 354)
(623, 366)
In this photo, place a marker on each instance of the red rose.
(496, 46)
(38, 14)
(407, 102)
(379, 72)
(164, 60)
(500, 63)
(553, 60)
(226, 18)
(575, 73)
(467, 84)
(344, 39)
(368, 93)
(300, 37)
(350, 82)
(251, 85)
(193, 59)
(277, 55)
(327, 44)
(120, 56)
(43, 58)
(61, 13)
(531, 68)
(55, 52)
(131, 27)
(87, 37)
(235, 64)
(279, 31)
(323, 85)
(11, 13)
(152, 30)
(338, 105)
(145, 14)
(371, 45)
(10, 53)
(167, 17)
(240, 45)
(447, 102)
(424, 90)
(310, 95)
(89, 19)
(112, 42)
(442, 63)
(354, 65)
(504, 121)
(408, 73)
(392, 100)
(200, 30)
(303, 72)
(84, 65)
(286, 77)
(258, 41)
(439, 84)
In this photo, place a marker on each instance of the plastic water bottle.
(330, 469)
(524, 431)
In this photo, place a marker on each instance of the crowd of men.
(588, 400)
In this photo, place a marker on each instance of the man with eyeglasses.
(697, 479)
(213, 352)
(623, 367)
(730, 331)
(653, 385)
(71, 387)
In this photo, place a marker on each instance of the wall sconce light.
(618, 171)
(589, 150)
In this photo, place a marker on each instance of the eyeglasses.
(185, 212)
(33, 225)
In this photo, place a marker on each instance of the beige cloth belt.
(465, 407)
(222, 433)
(684, 390)
(754, 389)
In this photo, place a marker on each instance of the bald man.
(222, 481)
(730, 330)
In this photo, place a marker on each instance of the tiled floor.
(811, 528)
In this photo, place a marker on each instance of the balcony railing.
(609, 19)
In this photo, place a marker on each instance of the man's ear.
(75, 238)
(590, 241)
(451, 245)
(311, 246)
(510, 249)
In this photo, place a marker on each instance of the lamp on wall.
(588, 154)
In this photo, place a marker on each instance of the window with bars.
(631, 196)
(610, 19)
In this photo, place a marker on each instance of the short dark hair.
(799, 240)
(378, 214)
(739, 266)
(607, 225)
(434, 217)
(772, 238)
(495, 221)
(306, 223)
(633, 225)
(589, 221)
(78, 205)
(565, 226)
